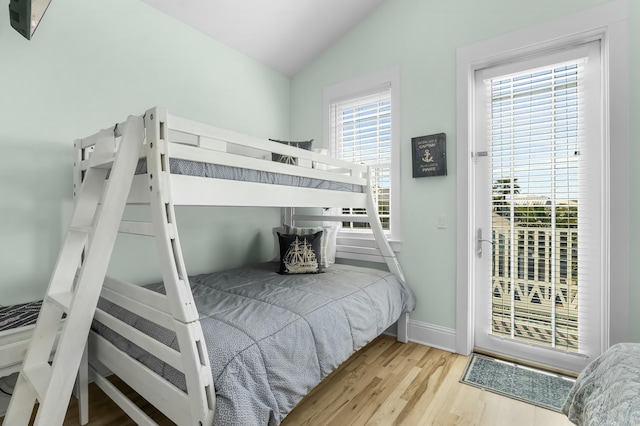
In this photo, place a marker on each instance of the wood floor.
(386, 383)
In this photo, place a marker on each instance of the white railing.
(540, 265)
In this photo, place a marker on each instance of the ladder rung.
(62, 300)
(81, 229)
(38, 377)
(102, 162)
(138, 228)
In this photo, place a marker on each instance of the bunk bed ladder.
(77, 280)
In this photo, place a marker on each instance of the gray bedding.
(22, 315)
(272, 338)
(607, 392)
(195, 168)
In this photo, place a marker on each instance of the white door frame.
(607, 23)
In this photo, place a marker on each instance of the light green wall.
(422, 36)
(634, 151)
(92, 62)
(89, 65)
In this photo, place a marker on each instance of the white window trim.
(607, 23)
(361, 85)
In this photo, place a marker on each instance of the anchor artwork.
(429, 155)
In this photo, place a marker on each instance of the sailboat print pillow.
(300, 254)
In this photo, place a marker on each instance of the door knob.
(479, 242)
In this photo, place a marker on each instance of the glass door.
(537, 202)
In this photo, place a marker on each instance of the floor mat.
(537, 387)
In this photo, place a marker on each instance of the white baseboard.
(431, 335)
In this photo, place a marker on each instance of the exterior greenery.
(534, 213)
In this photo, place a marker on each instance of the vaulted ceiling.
(285, 35)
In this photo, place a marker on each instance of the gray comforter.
(272, 338)
(607, 392)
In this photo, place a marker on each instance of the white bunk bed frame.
(171, 136)
(13, 347)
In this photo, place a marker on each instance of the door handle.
(479, 242)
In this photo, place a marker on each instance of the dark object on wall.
(429, 155)
(25, 15)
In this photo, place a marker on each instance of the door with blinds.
(537, 208)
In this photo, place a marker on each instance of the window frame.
(362, 86)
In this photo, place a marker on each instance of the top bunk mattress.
(218, 171)
(271, 338)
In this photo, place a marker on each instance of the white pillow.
(275, 257)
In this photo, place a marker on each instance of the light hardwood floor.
(385, 383)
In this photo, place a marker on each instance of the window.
(361, 123)
(361, 133)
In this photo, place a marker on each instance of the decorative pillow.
(275, 257)
(287, 159)
(328, 244)
(300, 254)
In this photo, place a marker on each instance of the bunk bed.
(240, 346)
(16, 325)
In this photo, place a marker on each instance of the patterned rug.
(537, 387)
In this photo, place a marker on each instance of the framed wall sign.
(429, 155)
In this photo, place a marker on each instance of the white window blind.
(360, 130)
(537, 134)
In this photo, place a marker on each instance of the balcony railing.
(535, 285)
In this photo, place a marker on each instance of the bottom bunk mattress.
(16, 316)
(607, 391)
(272, 338)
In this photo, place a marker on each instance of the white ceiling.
(285, 35)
